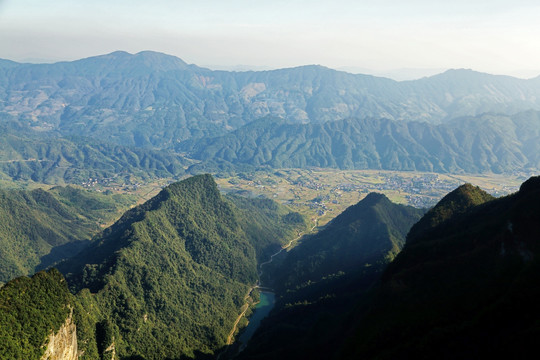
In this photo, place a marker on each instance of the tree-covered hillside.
(467, 289)
(170, 276)
(38, 227)
(30, 310)
(26, 154)
(488, 143)
(368, 234)
(465, 285)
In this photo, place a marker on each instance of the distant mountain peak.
(118, 54)
(148, 60)
(154, 55)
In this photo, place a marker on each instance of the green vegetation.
(27, 155)
(30, 309)
(368, 234)
(39, 228)
(471, 288)
(487, 143)
(455, 203)
(171, 275)
(323, 278)
(267, 224)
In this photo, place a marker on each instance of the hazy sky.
(496, 36)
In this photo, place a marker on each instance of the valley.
(325, 193)
(152, 204)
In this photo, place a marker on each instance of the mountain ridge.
(157, 100)
(152, 53)
(488, 143)
(473, 281)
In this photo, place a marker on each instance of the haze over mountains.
(457, 121)
(156, 100)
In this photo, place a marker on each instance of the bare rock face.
(63, 344)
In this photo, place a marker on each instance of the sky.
(383, 36)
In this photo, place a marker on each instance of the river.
(266, 301)
(262, 309)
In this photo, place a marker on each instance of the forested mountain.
(170, 276)
(323, 278)
(487, 143)
(368, 234)
(464, 285)
(26, 154)
(155, 100)
(38, 227)
(31, 310)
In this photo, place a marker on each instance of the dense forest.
(171, 274)
(39, 227)
(30, 309)
(167, 280)
(487, 143)
(322, 278)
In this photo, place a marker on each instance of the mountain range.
(30, 155)
(173, 278)
(486, 143)
(156, 100)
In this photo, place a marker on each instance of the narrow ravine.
(258, 285)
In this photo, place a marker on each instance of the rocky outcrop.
(62, 345)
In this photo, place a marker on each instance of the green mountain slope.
(171, 275)
(30, 155)
(38, 227)
(452, 205)
(464, 285)
(322, 279)
(152, 99)
(488, 143)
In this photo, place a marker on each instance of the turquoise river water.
(262, 309)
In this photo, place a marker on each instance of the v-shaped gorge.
(464, 285)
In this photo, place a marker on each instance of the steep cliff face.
(62, 345)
